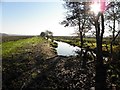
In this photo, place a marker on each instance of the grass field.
(89, 41)
(13, 38)
(13, 47)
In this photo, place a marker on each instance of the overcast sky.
(31, 18)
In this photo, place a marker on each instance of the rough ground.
(38, 68)
(20, 65)
(61, 73)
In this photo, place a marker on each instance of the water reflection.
(65, 49)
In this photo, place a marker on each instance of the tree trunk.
(100, 78)
(111, 50)
(114, 27)
(81, 38)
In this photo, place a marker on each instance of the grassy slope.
(21, 46)
(9, 48)
(20, 58)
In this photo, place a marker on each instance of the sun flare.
(95, 7)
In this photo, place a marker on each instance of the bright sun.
(95, 7)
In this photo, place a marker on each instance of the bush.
(54, 44)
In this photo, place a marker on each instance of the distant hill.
(3, 34)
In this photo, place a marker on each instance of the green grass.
(21, 57)
(54, 44)
(8, 48)
(75, 41)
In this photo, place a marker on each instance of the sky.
(31, 18)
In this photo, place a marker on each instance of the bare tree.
(77, 16)
(112, 17)
(81, 16)
(98, 22)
